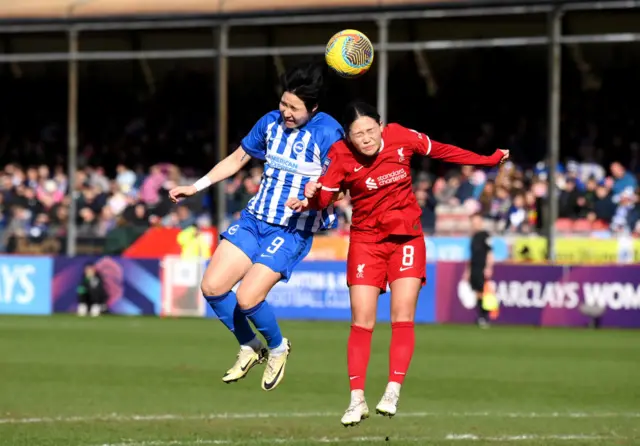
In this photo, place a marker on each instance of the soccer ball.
(349, 53)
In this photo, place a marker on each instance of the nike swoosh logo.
(268, 386)
(398, 373)
(351, 378)
(246, 366)
(404, 269)
(264, 255)
(357, 168)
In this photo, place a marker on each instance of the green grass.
(108, 381)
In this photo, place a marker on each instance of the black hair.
(355, 110)
(305, 80)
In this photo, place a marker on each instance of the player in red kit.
(386, 241)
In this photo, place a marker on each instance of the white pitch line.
(257, 415)
(449, 437)
(168, 443)
(523, 437)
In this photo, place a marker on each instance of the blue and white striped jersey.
(293, 158)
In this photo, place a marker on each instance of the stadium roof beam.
(429, 45)
(400, 15)
(170, 22)
(109, 26)
(108, 55)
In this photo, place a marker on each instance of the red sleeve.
(333, 175)
(456, 155)
(424, 145)
(419, 142)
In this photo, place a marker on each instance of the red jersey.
(380, 186)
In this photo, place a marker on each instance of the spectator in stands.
(185, 217)
(486, 197)
(126, 178)
(627, 213)
(40, 226)
(604, 207)
(136, 214)
(622, 178)
(573, 174)
(106, 222)
(427, 203)
(531, 210)
(500, 205)
(240, 190)
(568, 206)
(447, 189)
(517, 218)
(466, 190)
(590, 196)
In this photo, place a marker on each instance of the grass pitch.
(120, 381)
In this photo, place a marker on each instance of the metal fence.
(221, 51)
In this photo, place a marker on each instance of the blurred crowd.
(512, 199)
(590, 198)
(34, 201)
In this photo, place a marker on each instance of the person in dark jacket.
(568, 206)
(604, 207)
(92, 295)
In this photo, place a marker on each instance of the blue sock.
(265, 321)
(224, 307)
(244, 333)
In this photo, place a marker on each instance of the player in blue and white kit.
(264, 246)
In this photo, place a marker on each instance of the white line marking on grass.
(524, 437)
(449, 437)
(257, 415)
(168, 443)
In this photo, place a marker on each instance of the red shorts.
(377, 264)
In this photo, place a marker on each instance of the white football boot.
(357, 410)
(247, 359)
(276, 365)
(388, 405)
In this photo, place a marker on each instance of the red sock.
(358, 352)
(403, 341)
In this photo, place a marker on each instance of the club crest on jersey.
(401, 154)
(298, 147)
(325, 165)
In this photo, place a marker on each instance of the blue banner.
(318, 290)
(457, 249)
(25, 285)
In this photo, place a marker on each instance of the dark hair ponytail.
(305, 80)
(355, 110)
